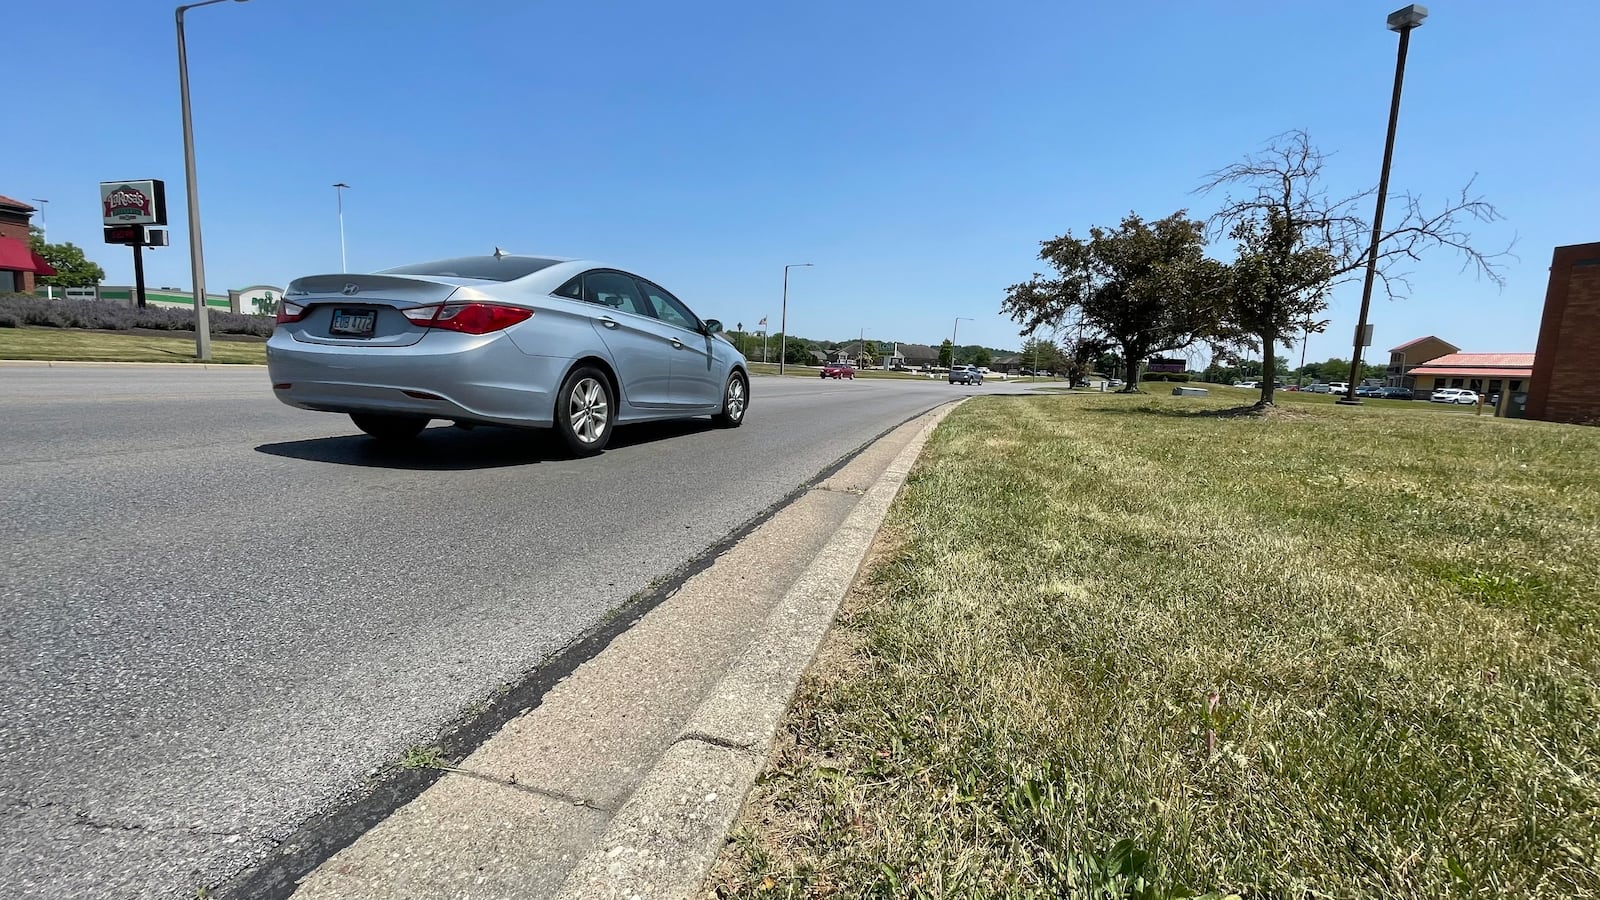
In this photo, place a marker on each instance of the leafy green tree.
(947, 353)
(980, 357)
(1146, 287)
(1295, 243)
(798, 352)
(1041, 355)
(747, 344)
(73, 269)
(869, 352)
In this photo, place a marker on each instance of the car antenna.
(498, 253)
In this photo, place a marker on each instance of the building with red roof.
(19, 265)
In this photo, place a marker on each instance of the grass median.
(1120, 646)
(77, 345)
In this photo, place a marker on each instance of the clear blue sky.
(916, 153)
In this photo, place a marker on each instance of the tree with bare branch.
(1296, 242)
(1145, 287)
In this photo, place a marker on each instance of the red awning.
(15, 256)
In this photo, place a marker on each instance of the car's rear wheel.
(735, 400)
(586, 411)
(389, 428)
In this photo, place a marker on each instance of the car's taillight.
(468, 318)
(290, 312)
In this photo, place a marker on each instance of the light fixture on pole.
(1403, 21)
(197, 265)
(953, 329)
(783, 318)
(339, 189)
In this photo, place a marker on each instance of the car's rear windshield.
(488, 268)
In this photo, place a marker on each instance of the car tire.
(390, 429)
(735, 401)
(586, 411)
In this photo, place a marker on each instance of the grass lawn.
(1329, 652)
(100, 346)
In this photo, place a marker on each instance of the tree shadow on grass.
(459, 449)
(1231, 412)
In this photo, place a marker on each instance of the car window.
(668, 308)
(615, 290)
(572, 289)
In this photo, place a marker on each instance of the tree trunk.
(1269, 368)
(1131, 357)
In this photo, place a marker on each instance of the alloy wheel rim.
(588, 410)
(736, 398)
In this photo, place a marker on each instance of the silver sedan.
(524, 341)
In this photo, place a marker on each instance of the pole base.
(1348, 401)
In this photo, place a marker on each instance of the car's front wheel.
(389, 428)
(586, 411)
(735, 400)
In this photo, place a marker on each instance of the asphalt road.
(221, 614)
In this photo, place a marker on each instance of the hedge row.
(1164, 376)
(22, 309)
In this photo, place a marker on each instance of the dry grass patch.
(1122, 649)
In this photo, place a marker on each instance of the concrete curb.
(663, 840)
(90, 364)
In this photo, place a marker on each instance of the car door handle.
(608, 322)
(677, 344)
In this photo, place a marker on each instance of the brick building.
(19, 265)
(1564, 388)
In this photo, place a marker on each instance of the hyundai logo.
(351, 288)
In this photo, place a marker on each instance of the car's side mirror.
(713, 326)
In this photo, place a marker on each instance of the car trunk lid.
(363, 310)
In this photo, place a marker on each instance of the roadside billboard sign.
(140, 202)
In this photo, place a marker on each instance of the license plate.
(354, 322)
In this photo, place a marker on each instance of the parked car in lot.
(1454, 395)
(965, 375)
(1367, 390)
(524, 341)
(1340, 388)
(1391, 392)
(1317, 388)
(839, 370)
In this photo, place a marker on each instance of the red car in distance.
(838, 370)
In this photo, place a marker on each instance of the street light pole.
(953, 330)
(1403, 21)
(783, 318)
(44, 226)
(339, 190)
(44, 235)
(197, 265)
